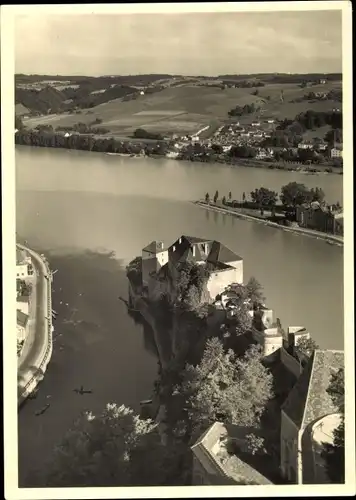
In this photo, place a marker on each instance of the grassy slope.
(188, 108)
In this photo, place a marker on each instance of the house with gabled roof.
(307, 408)
(220, 456)
(21, 327)
(161, 265)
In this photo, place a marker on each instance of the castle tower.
(154, 256)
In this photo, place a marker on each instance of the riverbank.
(37, 351)
(331, 239)
(157, 150)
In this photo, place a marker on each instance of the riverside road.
(37, 339)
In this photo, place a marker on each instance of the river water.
(90, 214)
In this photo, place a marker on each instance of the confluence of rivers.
(90, 214)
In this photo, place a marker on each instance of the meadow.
(186, 109)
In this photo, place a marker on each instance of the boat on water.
(146, 402)
(43, 410)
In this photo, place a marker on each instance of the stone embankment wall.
(330, 238)
(34, 374)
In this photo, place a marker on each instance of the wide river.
(90, 214)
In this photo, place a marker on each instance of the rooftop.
(309, 399)
(211, 449)
(22, 298)
(22, 318)
(154, 247)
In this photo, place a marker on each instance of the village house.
(22, 323)
(305, 145)
(22, 303)
(24, 267)
(328, 219)
(160, 265)
(336, 152)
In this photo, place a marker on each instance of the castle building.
(160, 265)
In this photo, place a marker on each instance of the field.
(187, 109)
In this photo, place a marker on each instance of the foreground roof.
(154, 247)
(309, 400)
(228, 467)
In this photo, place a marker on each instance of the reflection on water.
(97, 345)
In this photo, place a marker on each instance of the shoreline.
(242, 163)
(41, 346)
(329, 238)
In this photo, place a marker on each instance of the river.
(90, 214)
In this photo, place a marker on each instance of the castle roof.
(230, 467)
(211, 251)
(154, 247)
(220, 253)
(309, 400)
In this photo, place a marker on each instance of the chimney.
(193, 250)
(180, 240)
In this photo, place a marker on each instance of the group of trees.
(191, 286)
(80, 128)
(225, 387)
(141, 133)
(46, 138)
(243, 110)
(295, 194)
(264, 197)
(314, 119)
(113, 448)
(292, 195)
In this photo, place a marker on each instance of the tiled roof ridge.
(309, 385)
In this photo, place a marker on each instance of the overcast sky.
(196, 44)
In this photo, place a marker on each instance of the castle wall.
(219, 280)
(289, 449)
(239, 266)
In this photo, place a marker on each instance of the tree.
(333, 135)
(134, 271)
(243, 197)
(112, 449)
(294, 194)
(306, 346)
(254, 291)
(217, 148)
(207, 198)
(334, 453)
(317, 194)
(223, 387)
(230, 196)
(216, 196)
(18, 123)
(224, 200)
(264, 197)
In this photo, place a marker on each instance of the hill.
(182, 105)
(40, 101)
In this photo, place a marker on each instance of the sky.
(189, 44)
